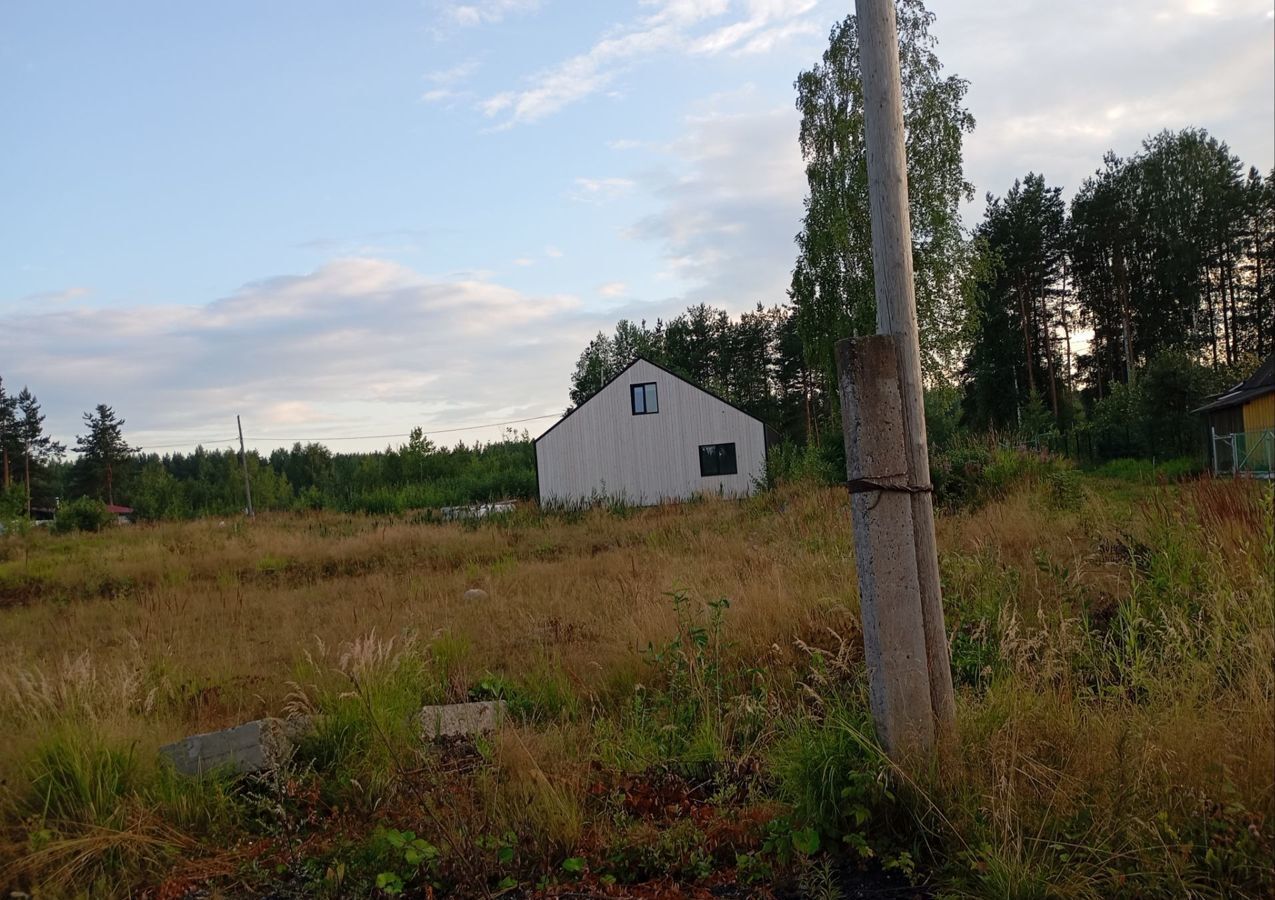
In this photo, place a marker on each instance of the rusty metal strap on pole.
(867, 485)
(872, 485)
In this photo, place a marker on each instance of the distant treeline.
(205, 482)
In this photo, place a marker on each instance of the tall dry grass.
(1113, 652)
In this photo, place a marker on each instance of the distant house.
(648, 436)
(123, 514)
(1242, 424)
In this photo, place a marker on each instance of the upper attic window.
(645, 398)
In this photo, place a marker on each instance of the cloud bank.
(358, 345)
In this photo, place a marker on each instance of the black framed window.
(646, 400)
(717, 459)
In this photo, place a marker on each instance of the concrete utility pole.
(247, 485)
(890, 473)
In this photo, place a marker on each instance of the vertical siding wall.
(1259, 413)
(603, 450)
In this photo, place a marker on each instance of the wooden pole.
(243, 454)
(889, 585)
(896, 313)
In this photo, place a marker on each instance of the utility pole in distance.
(243, 454)
(900, 592)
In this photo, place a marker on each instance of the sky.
(342, 220)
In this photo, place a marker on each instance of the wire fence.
(1244, 454)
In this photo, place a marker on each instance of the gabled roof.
(1260, 382)
(616, 377)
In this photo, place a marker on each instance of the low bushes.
(82, 514)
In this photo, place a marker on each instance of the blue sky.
(348, 219)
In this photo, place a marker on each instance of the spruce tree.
(37, 447)
(8, 435)
(102, 449)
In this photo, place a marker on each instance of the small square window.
(717, 459)
(646, 400)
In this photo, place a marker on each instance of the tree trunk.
(1027, 340)
(1227, 311)
(110, 490)
(1257, 289)
(1049, 352)
(1066, 326)
(1122, 293)
(1208, 299)
(810, 425)
(26, 460)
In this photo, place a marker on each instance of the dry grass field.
(1112, 646)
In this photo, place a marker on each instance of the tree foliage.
(755, 360)
(1019, 305)
(103, 451)
(832, 283)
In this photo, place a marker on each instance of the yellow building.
(1242, 424)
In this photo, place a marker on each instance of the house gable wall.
(603, 450)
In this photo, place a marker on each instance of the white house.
(649, 436)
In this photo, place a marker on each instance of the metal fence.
(1244, 453)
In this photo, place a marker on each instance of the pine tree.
(102, 449)
(36, 446)
(1022, 237)
(8, 435)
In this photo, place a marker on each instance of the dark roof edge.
(1262, 381)
(1233, 398)
(616, 377)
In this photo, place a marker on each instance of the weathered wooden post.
(892, 610)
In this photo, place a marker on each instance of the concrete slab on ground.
(453, 719)
(250, 747)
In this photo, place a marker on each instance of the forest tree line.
(1115, 315)
(36, 477)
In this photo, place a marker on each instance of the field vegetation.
(687, 700)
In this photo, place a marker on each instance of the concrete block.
(250, 747)
(452, 719)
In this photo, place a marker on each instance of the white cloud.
(597, 190)
(53, 297)
(446, 82)
(670, 26)
(356, 346)
(485, 12)
(1054, 86)
(454, 74)
(612, 289)
(731, 200)
(765, 24)
(553, 252)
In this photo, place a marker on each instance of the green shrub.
(82, 514)
(790, 463)
(958, 475)
(1148, 471)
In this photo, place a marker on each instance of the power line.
(187, 444)
(427, 431)
(356, 437)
